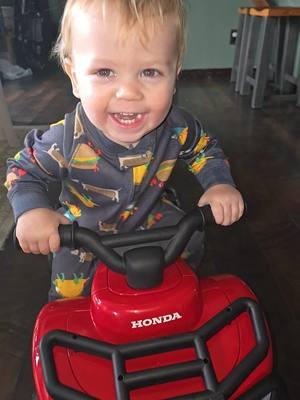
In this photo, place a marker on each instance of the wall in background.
(209, 26)
(287, 3)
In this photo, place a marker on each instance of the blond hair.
(142, 13)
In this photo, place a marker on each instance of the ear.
(177, 76)
(68, 67)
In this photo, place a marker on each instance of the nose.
(129, 90)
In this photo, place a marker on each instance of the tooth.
(128, 118)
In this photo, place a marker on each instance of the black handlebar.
(142, 265)
(102, 247)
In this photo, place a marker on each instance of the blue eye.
(105, 73)
(150, 73)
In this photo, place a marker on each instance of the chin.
(127, 143)
(127, 139)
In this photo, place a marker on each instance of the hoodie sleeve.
(31, 169)
(203, 155)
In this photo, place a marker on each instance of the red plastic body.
(118, 314)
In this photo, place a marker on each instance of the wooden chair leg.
(249, 54)
(277, 52)
(263, 60)
(289, 55)
(242, 56)
(236, 60)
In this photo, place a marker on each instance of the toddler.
(114, 154)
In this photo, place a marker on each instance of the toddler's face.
(126, 88)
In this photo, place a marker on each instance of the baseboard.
(204, 73)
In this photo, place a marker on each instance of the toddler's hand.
(37, 230)
(226, 203)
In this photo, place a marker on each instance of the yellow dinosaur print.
(61, 122)
(183, 135)
(17, 156)
(198, 164)
(73, 211)
(130, 209)
(138, 173)
(180, 135)
(204, 139)
(165, 169)
(86, 200)
(69, 288)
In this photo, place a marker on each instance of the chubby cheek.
(161, 103)
(95, 114)
(94, 103)
(85, 87)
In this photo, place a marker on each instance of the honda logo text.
(141, 323)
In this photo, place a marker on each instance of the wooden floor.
(263, 147)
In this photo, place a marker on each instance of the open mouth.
(128, 119)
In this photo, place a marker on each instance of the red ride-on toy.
(151, 328)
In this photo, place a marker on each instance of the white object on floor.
(12, 72)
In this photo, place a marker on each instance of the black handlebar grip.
(66, 234)
(208, 218)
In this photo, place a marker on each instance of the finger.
(201, 203)
(235, 212)
(218, 212)
(227, 219)
(34, 248)
(22, 243)
(44, 247)
(24, 246)
(54, 242)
